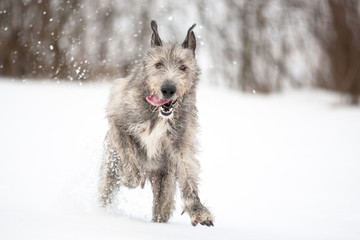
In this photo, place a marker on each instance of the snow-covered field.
(284, 166)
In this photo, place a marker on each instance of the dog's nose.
(168, 91)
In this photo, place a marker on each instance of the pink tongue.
(156, 101)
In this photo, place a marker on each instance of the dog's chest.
(153, 139)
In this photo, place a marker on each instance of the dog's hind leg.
(163, 187)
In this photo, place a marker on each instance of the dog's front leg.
(163, 186)
(187, 172)
(118, 166)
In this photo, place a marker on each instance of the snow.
(282, 166)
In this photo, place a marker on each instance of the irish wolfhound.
(152, 126)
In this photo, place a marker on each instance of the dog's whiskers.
(153, 109)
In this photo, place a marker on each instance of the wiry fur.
(141, 144)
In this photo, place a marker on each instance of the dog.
(153, 123)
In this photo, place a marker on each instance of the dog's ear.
(155, 39)
(190, 41)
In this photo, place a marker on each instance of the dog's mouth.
(165, 106)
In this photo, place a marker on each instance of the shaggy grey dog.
(152, 130)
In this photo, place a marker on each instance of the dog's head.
(171, 70)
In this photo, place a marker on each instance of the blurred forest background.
(258, 45)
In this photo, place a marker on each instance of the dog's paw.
(207, 220)
(200, 214)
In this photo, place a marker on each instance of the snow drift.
(273, 167)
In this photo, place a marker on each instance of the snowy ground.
(285, 166)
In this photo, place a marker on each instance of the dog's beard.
(165, 106)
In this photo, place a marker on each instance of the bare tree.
(344, 49)
(251, 45)
(336, 25)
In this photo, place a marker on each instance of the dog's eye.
(183, 68)
(159, 65)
